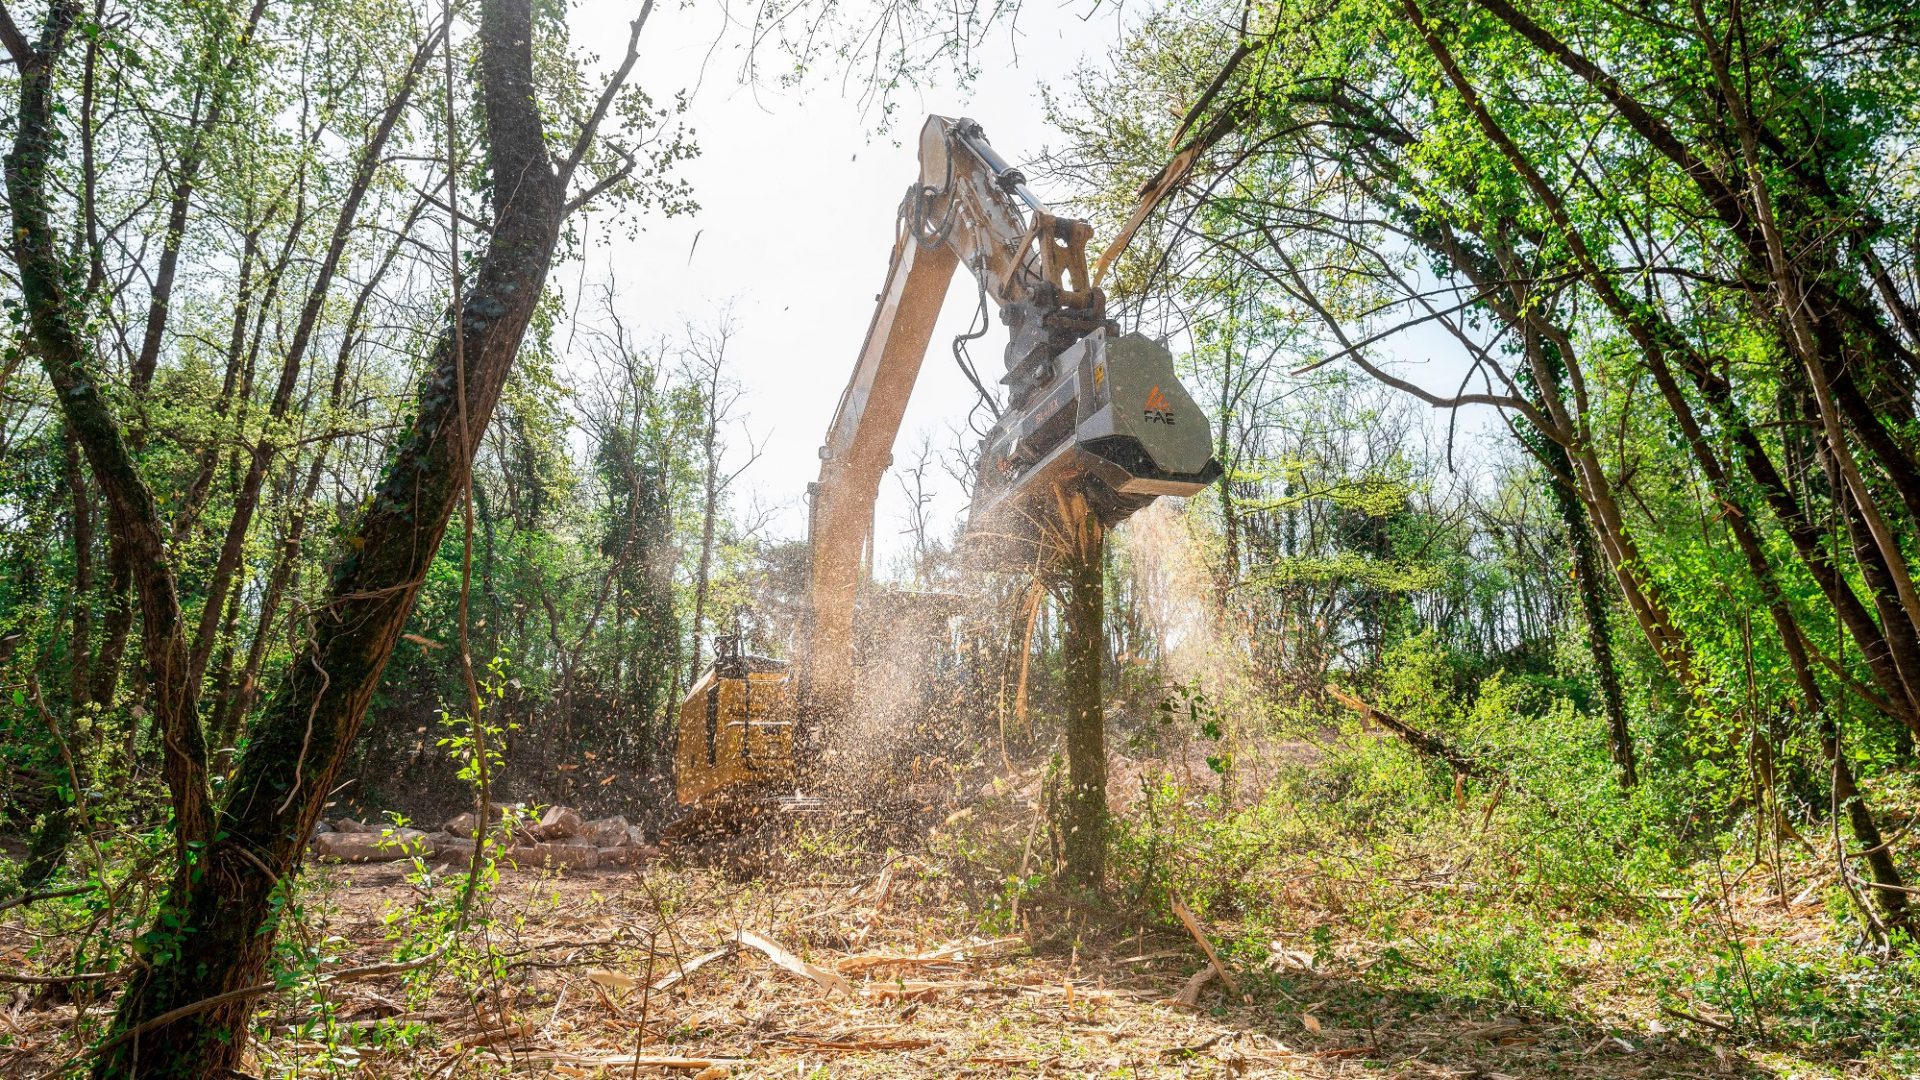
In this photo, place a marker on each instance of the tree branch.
(597, 189)
(23, 54)
(601, 107)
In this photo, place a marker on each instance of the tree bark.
(1082, 570)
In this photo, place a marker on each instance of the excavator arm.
(969, 207)
(1086, 411)
(855, 457)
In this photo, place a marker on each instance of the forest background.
(1658, 587)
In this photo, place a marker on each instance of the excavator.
(1087, 413)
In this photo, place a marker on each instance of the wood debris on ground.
(865, 972)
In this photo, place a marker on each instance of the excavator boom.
(1087, 411)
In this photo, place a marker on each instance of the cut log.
(559, 823)
(372, 847)
(556, 854)
(628, 855)
(606, 832)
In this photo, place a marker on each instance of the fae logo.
(1159, 410)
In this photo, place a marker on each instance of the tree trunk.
(48, 846)
(54, 319)
(703, 573)
(1083, 820)
(1655, 340)
(214, 929)
(1593, 604)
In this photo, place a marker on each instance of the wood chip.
(828, 980)
(1189, 995)
(883, 893)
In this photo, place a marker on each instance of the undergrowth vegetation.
(1539, 887)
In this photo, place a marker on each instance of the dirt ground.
(893, 967)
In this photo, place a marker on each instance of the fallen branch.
(185, 1011)
(496, 1036)
(373, 1023)
(1431, 745)
(923, 990)
(34, 897)
(829, 980)
(629, 1061)
(1200, 936)
(951, 954)
(694, 965)
(857, 1044)
(257, 989)
(1194, 1048)
(1682, 1014)
(60, 980)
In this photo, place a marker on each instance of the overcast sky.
(796, 224)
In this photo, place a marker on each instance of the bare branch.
(601, 107)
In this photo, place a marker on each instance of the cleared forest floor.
(1452, 939)
(901, 973)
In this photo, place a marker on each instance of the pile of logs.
(561, 837)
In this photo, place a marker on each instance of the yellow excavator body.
(734, 737)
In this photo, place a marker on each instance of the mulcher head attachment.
(1109, 422)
